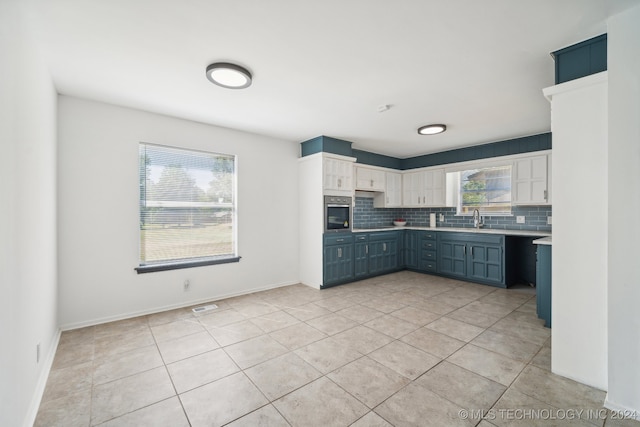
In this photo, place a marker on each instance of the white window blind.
(187, 205)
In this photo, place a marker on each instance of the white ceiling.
(323, 67)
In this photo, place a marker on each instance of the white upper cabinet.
(338, 175)
(425, 188)
(435, 187)
(370, 179)
(530, 181)
(392, 197)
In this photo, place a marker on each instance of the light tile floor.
(404, 349)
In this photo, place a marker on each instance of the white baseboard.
(622, 410)
(92, 322)
(42, 382)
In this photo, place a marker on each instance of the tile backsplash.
(366, 216)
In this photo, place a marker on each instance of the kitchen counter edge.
(543, 234)
(543, 241)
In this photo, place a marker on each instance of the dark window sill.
(152, 268)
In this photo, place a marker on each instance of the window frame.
(454, 198)
(173, 264)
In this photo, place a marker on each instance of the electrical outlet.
(38, 353)
(186, 285)
(441, 217)
(548, 220)
(520, 219)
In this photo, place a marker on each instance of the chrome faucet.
(477, 220)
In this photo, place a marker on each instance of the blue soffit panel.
(525, 144)
(581, 59)
(325, 144)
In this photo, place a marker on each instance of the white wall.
(624, 206)
(311, 220)
(27, 219)
(98, 213)
(579, 275)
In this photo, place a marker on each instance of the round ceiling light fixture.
(432, 129)
(230, 76)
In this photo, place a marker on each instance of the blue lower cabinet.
(383, 252)
(361, 256)
(486, 262)
(411, 249)
(474, 257)
(428, 260)
(452, 258)
(467, 256)
(543, 283)
(338, 259)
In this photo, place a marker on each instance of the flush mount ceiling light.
(230, 76)
(431, 129)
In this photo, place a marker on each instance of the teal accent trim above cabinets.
(525, 144)
(495, 149)
(325, 144)
(581, 59)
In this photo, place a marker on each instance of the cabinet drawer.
(361, 237)
(383, 236)
(429, 255)
(429, 245)
(428, 266)
(428, 235)
(338, 239)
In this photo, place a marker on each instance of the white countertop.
(545, 234)
(543, 241)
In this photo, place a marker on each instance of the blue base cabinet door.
(338, 259)
(452, 258)
(383, 252)
(485, 263)
(361, 256)
(411, 249)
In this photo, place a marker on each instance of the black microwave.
(337, 213)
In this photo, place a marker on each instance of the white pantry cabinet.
(370, 179)
(424, 188)
(530, 184)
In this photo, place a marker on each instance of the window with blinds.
(487, 189)
(187, 208)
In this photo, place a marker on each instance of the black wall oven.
(337, 213)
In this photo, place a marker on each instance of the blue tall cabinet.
(543, 281)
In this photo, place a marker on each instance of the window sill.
(152, 268)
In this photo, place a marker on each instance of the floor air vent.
(204, 308)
